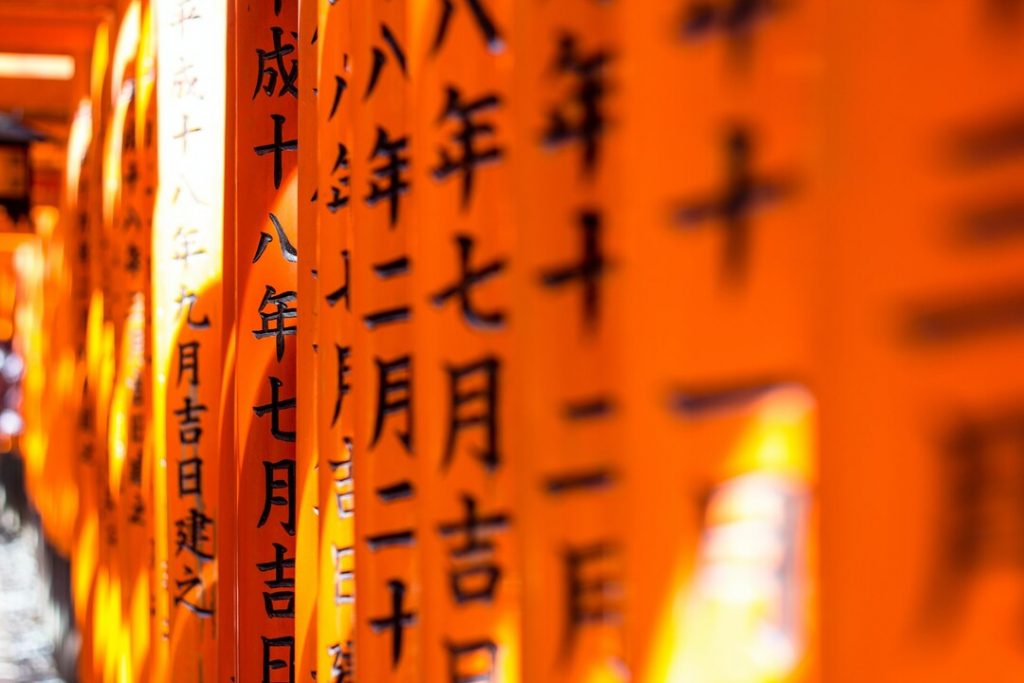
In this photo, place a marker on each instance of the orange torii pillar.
(266, 248)
(922, 403)
(336, 325)
(307, 534)
(188, 343)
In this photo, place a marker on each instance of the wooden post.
(266, 133)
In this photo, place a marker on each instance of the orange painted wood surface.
(503, 340)
(266, 241)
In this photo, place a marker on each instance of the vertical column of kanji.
(567, 318)
(923, 438)
(380, 350)
(84, 549)
(723, 188)
(461, 59)
(128, 418)
(123, 320)
(120, 183)
(83, 545)
(126, 315)
(139, 496)
(337, 328)
(101, 364)
(106, 310)
(109, 285)
(307, 486)
(266, 252)
(187, 345)
(156, 345)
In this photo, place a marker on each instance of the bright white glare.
(10, 423)
(27, 65)
(12, 367)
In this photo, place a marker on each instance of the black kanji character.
(392, 184)
(983, 455)
(275, 322)
(466, 139)
(594, 598)
(397, 621)
(398, 314)
(475, 578)
(340, 86)
(272, 67)
(734, 18)
(339, 200)
(279, 604)
(342, 670)
(270, 499)
(380, 58)
(190, 477)
(191, 535)
(189, 412)
(742, 196)
(343, 291)
(276, 147)
(343, 386)
(483, 22)
(188, 362)
(474, 407)
(288, 252)
(272, 664)
(343, 576)
(191, 582)
(469, 278)
(582, 119)
(394, 395)
(275, 407)
(189, 298)
(588, 271)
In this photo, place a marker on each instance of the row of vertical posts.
(476, 341)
